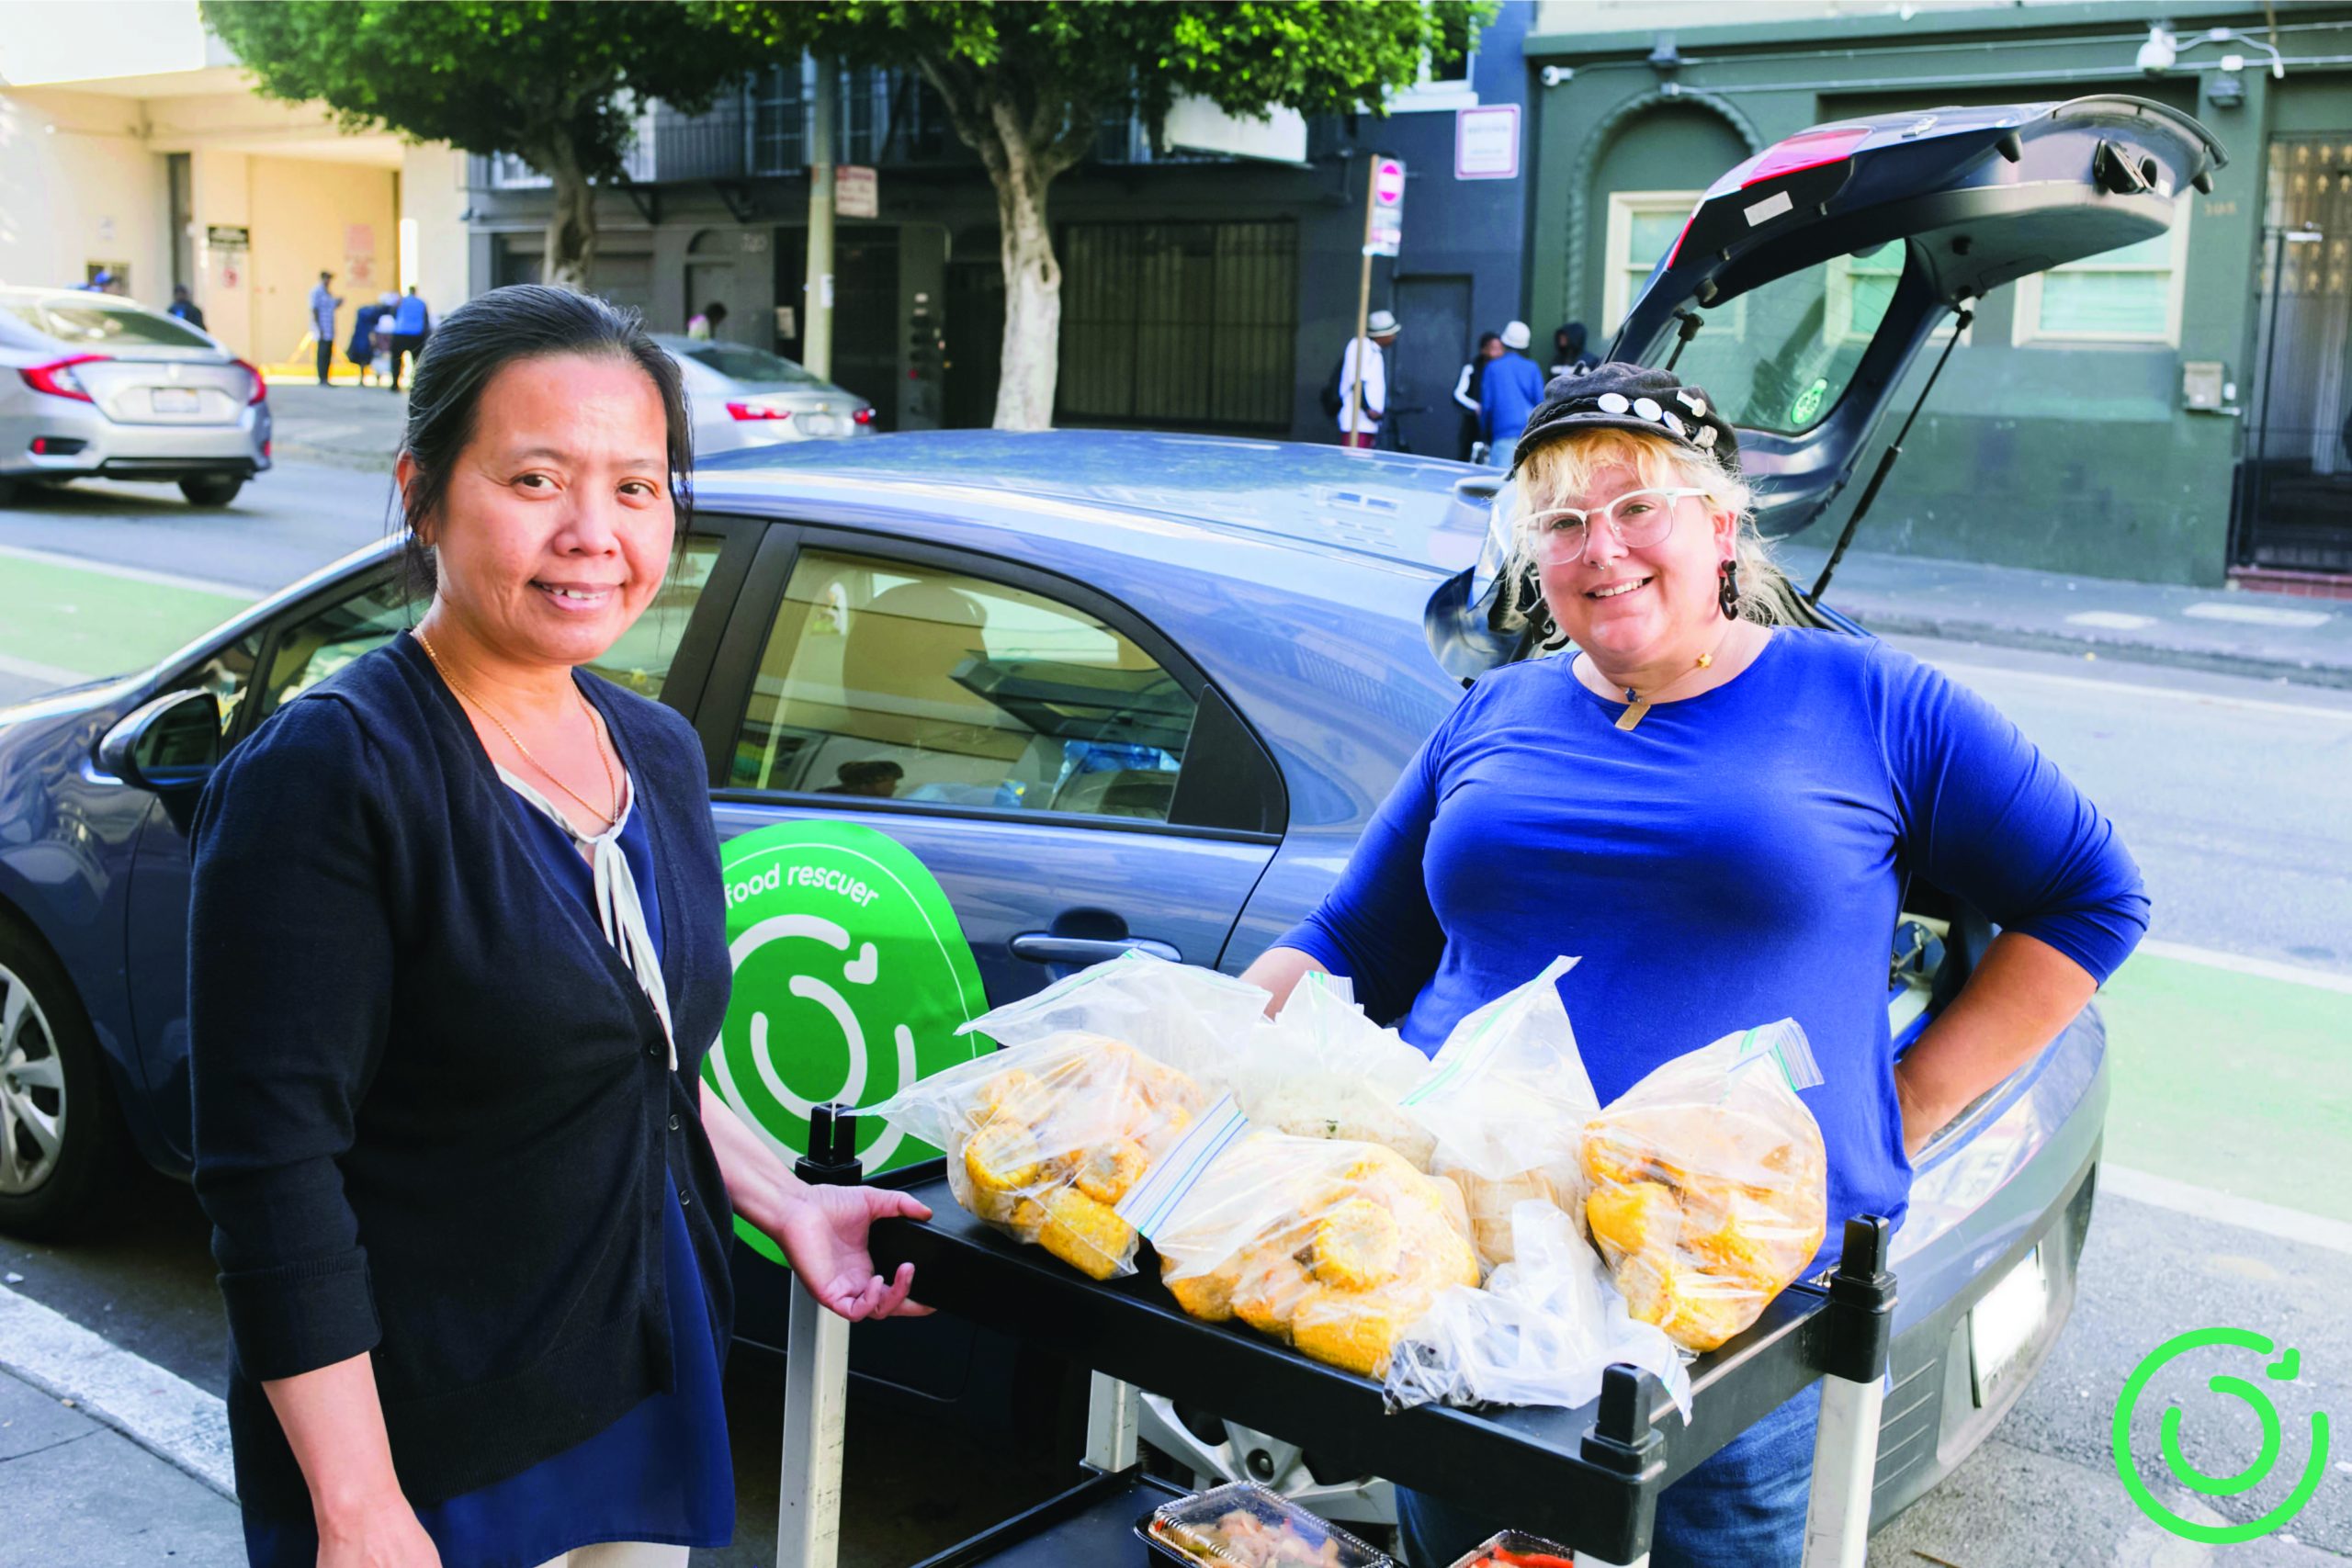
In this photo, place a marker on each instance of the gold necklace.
(1638, 706)
(594, 729)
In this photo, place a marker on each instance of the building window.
(1446, 64)
(1184, 324)
(778, 144)
(2128, 296)
(1643, 226)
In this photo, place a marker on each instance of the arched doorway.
(710, 276)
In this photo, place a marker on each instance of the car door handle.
(1043, 947)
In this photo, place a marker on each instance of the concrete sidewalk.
(81, 1495)
(2265, 635)
(345, 427)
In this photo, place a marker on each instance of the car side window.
(894, 681)
(227, 675)
(310, 649)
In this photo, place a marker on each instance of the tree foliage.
(541, 79)
(1027, 82)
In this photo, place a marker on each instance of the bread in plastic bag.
(1044, 1140)
(1543, 1330)
(1322, 1069)
(1709, 1184)
(1506, 1099)
(1335, 1247)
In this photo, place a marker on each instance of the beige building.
(131, 140)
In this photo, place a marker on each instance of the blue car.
(1119, 689)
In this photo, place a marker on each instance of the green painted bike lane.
(2238, 1083)
(97, 622)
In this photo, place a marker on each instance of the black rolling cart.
(1589, 1477)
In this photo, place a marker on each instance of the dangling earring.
(1727, 590)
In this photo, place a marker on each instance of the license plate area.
(175, 399)
(821, 423)
(2003, 1323)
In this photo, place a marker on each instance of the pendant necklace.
(611, 785)
(1638, 706)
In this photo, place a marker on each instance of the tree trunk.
(1032, 288)
(572, 222)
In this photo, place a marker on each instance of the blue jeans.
(1744, 1507)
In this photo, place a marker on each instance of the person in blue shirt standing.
(1718, 814)
(1508, 393)
(324, 303)
(412, 324)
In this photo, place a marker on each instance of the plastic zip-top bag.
(1322, 1069)
(1709, 1185)
(1334, 1248)
(1505, 1099)
(1100, 1077)
(1541, 1332)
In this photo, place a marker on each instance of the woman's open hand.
(823, 1235)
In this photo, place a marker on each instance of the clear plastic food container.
(1517, 1549)
(1242, 1525)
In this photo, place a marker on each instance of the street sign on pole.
(857, 193)
(1387, 231)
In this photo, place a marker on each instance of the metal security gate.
(2294, 511)
(1181, 326)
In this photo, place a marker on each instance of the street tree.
(549, 82)
(1026, 83)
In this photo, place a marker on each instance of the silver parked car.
(740, 396)
(93, 386)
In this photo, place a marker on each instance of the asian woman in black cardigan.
(458, 951)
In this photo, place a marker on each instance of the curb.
(2253, 666)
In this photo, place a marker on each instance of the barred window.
(1189, 325)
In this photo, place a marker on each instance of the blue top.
(663, 1472)
(410, 317)
(1739, 857)
(1508, 393)
(323, 305)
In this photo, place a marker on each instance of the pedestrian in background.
(1568, 351)
(379, 337)
(412, 324)
(1466, 393)
(1367, 390)
(471, 1201)
(184, 308)
(705, 326)
(1508, 393)
(323, 305)
(361, 349)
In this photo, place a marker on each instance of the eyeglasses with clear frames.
(1639, 517)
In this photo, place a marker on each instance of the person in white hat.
(1508, 393)
(1362, 427)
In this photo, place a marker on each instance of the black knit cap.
(1616, 396)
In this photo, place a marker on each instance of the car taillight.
(261, 387)
(863, 416)
(758, 410)
(57, 377)
(1806, 150)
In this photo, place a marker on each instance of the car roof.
(1225, 498)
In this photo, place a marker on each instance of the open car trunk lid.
(1809, 276)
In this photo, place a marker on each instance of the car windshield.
(1780, 356)
(739, 361)
(96, 323)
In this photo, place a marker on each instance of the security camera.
(2157, 56)
(1555, 74)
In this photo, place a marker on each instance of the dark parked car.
(1260, 617)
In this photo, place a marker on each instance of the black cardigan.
(433, 1108)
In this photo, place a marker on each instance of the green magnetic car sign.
(851, 977)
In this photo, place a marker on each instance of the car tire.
(212, 490)
(49, 1064)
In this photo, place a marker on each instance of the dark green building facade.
(2174, 412)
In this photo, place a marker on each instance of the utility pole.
(1354, 390)
(817, 339)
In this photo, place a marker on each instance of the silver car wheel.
(32, 1090)
(1247, 1455)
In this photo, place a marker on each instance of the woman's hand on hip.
(823, 1235)
(385, 1536)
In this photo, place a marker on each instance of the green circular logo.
(1808, 403)
(2168, 1440)
(851, 977)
